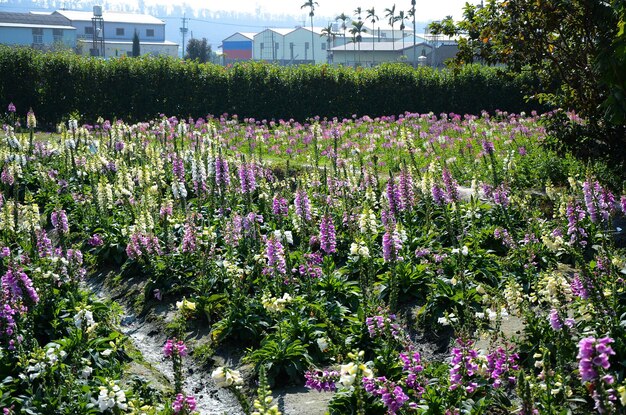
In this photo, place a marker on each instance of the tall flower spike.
(302, 205)
(328, 241)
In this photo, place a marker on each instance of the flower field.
(420, 264)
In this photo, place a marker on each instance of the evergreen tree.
(136, 47)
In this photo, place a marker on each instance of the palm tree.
(402, 18)
(329, 34)
(391, 15)
(371, 14)
(412, 14)
(311, 5)
(357, 29)
(358, 12)
(343, 19)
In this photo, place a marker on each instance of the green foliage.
(283, 359)
(199, 50)
(56, 84)
(136, 47)
(577, 49)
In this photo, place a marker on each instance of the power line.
(223, 24)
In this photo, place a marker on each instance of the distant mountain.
(214, 25)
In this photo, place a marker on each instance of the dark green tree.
(576, 48)
(136, 47)
(198, 49)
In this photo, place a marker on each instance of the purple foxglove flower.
(407, 194)
(488, 147)
(555, 320)
(178, 169)
(593, 354)
(222, 176)
(328, 241)
(322, 380)
(452, 187)
(302, 205)
(392, 245)
(275, 255)
(95, 240)
(438, 195)
(500, 196)
(6, 177)
(189, 238)
(280, 206)
(59, 221)
(393, 196)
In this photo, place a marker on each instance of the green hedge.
(57, 84)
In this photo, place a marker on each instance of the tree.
(412, 14)
(575, 47)
(198, 50)
(330, 36)
(371, 14)
(402, 18)
(390, 14)
(344, 19)
(358, 12)
(136, 48)
(356, 30)
(311, 5)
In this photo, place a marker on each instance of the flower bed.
(319, 251)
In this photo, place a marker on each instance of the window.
(150, 32)
(323, 46)
(306, 45)
(276, 45)
(119, 31)
(89, 30)
(57, 35)
(38, 36)
(262, 45)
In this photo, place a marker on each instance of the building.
(290, 46)
(237, 47)
(119, 29)
(269, 45)
(371, 54)
(301, 46)
(383, 32)
(40, 31)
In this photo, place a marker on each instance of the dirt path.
(149, 341)
(148, 338)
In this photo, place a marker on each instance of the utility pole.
(183, 31)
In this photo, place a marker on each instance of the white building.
(290, 46)
(304, 46)
(269, 45)
(119, 29)
(403, 50)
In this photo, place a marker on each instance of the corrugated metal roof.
(246, 35)
(316, 29)
(281, 31)
(383, 46)
(123, 42)
(33, 19)
(111, 17)
(249, 35)
(36, 26)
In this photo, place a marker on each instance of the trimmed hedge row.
(57, 84)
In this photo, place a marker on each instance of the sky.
(426, 9)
